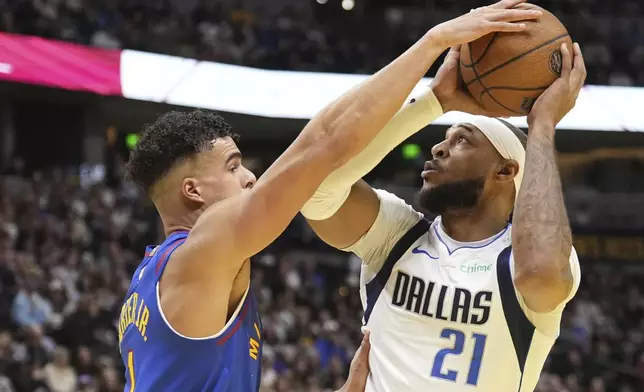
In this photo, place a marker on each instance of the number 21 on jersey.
(459, 343)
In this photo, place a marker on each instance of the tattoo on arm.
(540, 222)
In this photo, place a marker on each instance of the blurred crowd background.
(348, 36)
(69, 245)
(72, 234)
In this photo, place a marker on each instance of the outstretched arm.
(541, 235)
(229, 232)
(238, 228)
(341, 212)
(343, 208)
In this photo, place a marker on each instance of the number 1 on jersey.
(130, 369)
(459, 343)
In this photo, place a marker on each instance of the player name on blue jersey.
(134, 311)
(158, 359)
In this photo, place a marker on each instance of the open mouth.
(429, 168)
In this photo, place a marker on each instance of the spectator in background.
(29, 307)
(5, 383)
(59, 375)
(6, 358)
(38, 346)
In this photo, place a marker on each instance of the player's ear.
(191, 190)
(508, 169)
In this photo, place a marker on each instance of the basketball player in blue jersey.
(189, 322)
(469, 301)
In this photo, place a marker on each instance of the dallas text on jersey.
(415, 295)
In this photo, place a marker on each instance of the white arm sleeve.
(395, 218)
(549, 323)
(421, 109)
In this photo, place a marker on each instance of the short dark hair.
(174, 136)
(517, 132)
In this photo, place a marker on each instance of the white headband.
(504, 141)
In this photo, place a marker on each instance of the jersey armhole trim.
(232, 325)
(520, 327)
(164, 257)
(233, 322)
(375, 286)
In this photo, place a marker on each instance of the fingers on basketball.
(509, 21)
(454, 54)
(566, 61)
(508, 72)
(515, 15)
(506, 4)
(505, 27)
(579, 66)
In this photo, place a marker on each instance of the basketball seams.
(517, 88)
(487, 48)
(502, 65)
(523, 78)
(485, 90)
(510, 88)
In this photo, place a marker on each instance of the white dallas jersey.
(444, 315)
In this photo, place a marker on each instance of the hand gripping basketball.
(498, 17)
(561, 96)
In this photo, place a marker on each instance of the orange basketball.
(507, 72)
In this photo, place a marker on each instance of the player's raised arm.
(541, 235)
(344, 208)
(239, 227)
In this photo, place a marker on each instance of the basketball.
(507, 72)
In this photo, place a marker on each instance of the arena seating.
(66, 260)
(300, 38)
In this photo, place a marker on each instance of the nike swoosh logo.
(419, 251)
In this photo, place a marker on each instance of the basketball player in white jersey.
(468, 301)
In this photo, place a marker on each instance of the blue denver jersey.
(158, 359)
